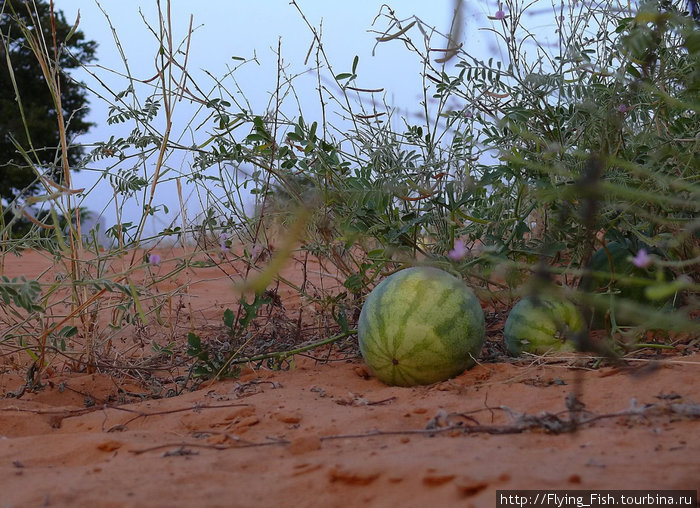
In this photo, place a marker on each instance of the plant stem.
(283, 355)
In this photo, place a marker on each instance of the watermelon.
(420, 326)
(541, 324)
(622, 268)
(620, 279)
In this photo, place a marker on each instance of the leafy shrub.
(514, 170)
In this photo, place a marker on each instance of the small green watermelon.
(541, 324)
(613, 269)
(420, 326)
(622, 268)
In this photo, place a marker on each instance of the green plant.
(69, 310)
(213, 364)
(512, 170)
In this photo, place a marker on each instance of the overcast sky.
(243, 28)
(247, 28)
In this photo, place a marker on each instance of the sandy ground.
(329, 434)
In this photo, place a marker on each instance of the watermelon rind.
(540, 325)
(420, 326)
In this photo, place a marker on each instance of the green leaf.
(354, 283)
(68, 331)
(342, 319)
(251, 309)
(229, 318)
(195, 344)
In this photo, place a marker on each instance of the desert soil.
(326, 433)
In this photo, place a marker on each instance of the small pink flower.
(642, 259)
(256, 251)
(154, 259)
(222, 242)
(500, 15)
(459, 252)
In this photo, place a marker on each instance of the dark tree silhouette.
(16, 175)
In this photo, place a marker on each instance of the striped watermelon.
(623, 268)
(625, 281)
(539, 325)
(420, 326)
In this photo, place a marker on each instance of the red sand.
(327, 434)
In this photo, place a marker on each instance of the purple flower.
(256, 251)
(222, 242)
(154, 259)
(500, 14)
(459, 252)
(622, 108)
(642, 259)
